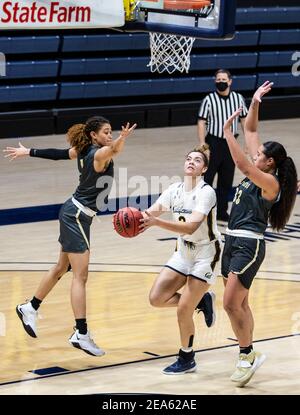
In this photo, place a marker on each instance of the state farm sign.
(26, 14)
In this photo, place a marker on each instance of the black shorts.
(243, 257)
(74, 228)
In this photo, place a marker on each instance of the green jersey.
(250, 211)
(90, 187)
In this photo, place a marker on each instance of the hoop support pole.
(129, 7)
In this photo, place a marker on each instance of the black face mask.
(221, 86)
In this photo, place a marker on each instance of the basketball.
(127, 221)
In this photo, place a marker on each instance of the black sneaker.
(207, 306)
(180, 367)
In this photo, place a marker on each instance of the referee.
(215, 109)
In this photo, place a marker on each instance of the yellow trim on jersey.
(81, 228)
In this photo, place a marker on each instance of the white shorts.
(196, 261)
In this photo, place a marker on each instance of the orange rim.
(185, 5)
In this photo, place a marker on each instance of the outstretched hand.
(13, 153)
(127, 130)
(262, 90)
(228, 123)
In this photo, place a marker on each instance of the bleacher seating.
(275, 59)
(28, 93)
(102, 66)
(32, 69)
(280, 37)
(138, 64)
(224, 60)
(141, 87)
(29, 44)
(66, 69)
(108, 42)
(281, 80)
(241, 39)
(267, 15)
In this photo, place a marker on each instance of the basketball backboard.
(195, 18)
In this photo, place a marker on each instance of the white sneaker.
(85, 343)
(28, 315)
(246, 366)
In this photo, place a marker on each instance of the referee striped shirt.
(216, 109)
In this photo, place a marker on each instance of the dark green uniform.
(250, 211)
(74, 223)
(90, 183)
(244, 252)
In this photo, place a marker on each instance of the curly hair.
(78, 138)
(79, 135)
(287, 177)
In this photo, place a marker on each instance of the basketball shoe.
(207, 305)
(246, 367)
(28, 315)
(181, 366)
(85, 343)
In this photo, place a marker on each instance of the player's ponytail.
(79, 135)
(287, 177)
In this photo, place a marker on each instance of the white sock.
(187, 349)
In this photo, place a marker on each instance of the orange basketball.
(127, 221)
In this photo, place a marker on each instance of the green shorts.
(243, 257)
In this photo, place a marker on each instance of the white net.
(170, 53)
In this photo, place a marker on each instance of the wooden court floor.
(139, 340)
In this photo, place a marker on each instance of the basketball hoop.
(173, 26)
(170, 52)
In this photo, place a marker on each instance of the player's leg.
(241, 260)
(53, 276)
(248, 311)
(240, 315)
(79, 263)
(207, 302)
(81, 338)
(234, 296)
(28, 312)
(193, 290)
(164, 290)
(235, 292)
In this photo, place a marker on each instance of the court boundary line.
(118, 264)
(138, 361)
(148, 272)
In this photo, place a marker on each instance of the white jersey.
(182, 203)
